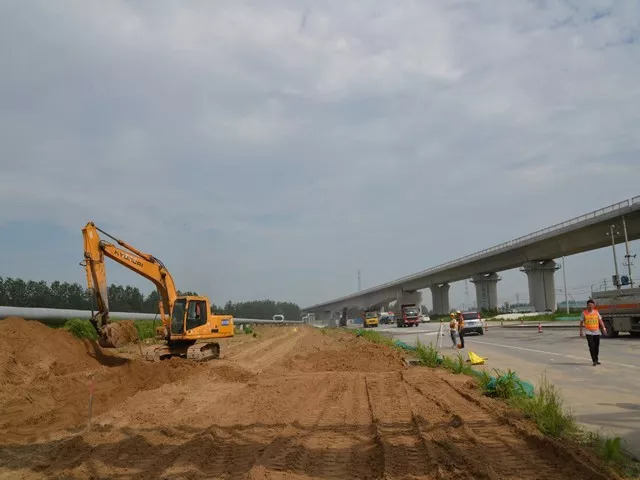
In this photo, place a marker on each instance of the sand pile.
(30, 349)
(50, 372)
(342, 352)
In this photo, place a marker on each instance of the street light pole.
(627, 256)
(615, 258)
(564, 277)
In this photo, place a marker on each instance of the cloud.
(287, 145)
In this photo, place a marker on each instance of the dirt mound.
(29, 348)
(231, 373)
(359, 358)
(51, 371)
(341, 352)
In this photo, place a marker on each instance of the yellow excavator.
(185, 319)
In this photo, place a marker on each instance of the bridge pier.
(440, 295)
(486, 290)
(406, 297)
(326, 317)
(542, 286)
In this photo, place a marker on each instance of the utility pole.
(564, 277)
(615, 258)
(359, 281)
(627, 256)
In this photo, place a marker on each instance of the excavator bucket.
(114, 335)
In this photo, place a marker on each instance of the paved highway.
(605, 397)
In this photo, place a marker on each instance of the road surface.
(604, 398)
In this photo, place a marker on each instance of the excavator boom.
(95, 250)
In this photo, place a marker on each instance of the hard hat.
(458, 311)
(452, 314)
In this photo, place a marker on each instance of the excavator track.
(198, 351)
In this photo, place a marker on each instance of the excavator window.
(177, 319)
(197, 314)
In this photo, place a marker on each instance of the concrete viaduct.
(533, 253)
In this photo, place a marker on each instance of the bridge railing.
(524, 238)
(516, 241)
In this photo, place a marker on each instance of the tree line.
(15, 292)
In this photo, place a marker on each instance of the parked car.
(387, 318)
(472, 323)
(424, 319)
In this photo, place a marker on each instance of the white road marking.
(548, 353)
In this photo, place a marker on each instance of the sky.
(273, 149)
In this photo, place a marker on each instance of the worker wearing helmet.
(460, 327)
(453, 329)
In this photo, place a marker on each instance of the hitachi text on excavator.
(186, 320)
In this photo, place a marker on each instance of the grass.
(457, 365)
(146, 328)
(375, 337)
(546, 410)
(545, 317)
(81, 328)
(427, 355)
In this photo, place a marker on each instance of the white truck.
(620, 310)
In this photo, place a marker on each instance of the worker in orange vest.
(460, 327)
(592, 323)
(453, 329)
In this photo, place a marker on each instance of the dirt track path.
(297, 403)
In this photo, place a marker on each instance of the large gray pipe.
(57, 316)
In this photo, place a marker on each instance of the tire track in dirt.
(472, 434)
(323, 442)
(404, 452)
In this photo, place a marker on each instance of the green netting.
(510, 381)
(403, 345)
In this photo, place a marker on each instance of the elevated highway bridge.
(533, 253)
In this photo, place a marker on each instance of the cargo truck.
(370, 319)
(620, 310)
(408, 315)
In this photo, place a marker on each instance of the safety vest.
(591, 320)
(453, 324)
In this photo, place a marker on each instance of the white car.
(424, 319)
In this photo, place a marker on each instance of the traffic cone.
(539, 328)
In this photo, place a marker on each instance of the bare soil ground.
(293, 403)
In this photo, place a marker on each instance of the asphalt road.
(604, 398)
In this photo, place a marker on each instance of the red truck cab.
(408, 316)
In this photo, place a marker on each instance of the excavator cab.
(188, 314)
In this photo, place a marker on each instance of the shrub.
(457, 365)
(146, 328)
(81, 328)
(546, 410)
(427, 355)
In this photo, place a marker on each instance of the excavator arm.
(95, 250)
